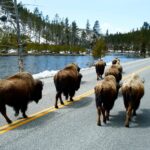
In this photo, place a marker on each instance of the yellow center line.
(17, 123)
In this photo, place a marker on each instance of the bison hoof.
(25, 116)
(16, 114)
(127, 125)
(61, 103)
(99, 124)
(104, 121)
(134, 113)
(71, 100)
(107, 118)
(56, 106)
(9, 121)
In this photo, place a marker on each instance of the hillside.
(35, 30)
(40, 34)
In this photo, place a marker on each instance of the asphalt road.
(73, 127)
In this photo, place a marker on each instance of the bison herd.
(106, 92)
(19, 90)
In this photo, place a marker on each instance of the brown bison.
(132, 91)
(17, 91)
(67, 81)
(99, 67)
(106, 92)
(116, 62)
(113, 70)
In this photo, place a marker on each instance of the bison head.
(78, 81)
(37, 91)
(78, 68)
(74, 66)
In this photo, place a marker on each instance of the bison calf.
(67, 81)
(106, 92)
(17, 91)
(133, 91)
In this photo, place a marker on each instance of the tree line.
(137, 41)
(36, 28)
(39, 32)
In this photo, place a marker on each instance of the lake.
(48, 64)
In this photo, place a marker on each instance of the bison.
(113, 70)
(17, 91)
(116, 62)
(132, 91)
(106, 92)
(67, 81)
(99, 67)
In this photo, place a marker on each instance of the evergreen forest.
(42, 34)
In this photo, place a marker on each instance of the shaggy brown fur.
(113, 70)
(106, 92)
(73, 66)
(17, 91)
(100, 66)
(67, 81)
(133, 91)
(116, 62)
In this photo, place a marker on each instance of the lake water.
(49, 64)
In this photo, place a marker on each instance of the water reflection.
(36, 64)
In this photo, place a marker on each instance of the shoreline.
(40, 54)
(47, 71)
(73, 54)
(37, 76)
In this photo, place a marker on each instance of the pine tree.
(96, 28)
(74, 33)
(87, 27)
(83, 39)
(67, 32)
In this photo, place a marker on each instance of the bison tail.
(128, 95)
(98, 97)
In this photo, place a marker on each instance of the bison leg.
(100, 76)
(65, 92)
(128, 116)
(66, 97)
(103, 112)
(107, 114)
(23, 110)
(136, 105)
(16, 111)
(134, 112)
(56, 106)
(126, 104)
(61, 101)
(71, 99)
(3, 112)
(97, 77)
(71, 94)
(58, 95)
(98, 116)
